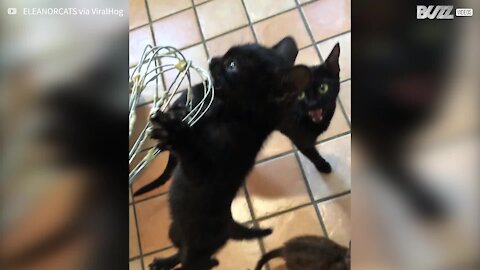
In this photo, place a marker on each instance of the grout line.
(168, 15)
(150, 197)
(310, 194)
(137, 229)
(333, 36)
(152, 33)
(328, 198)
(161, 18)
(257, 162)
(208, 1)
(309, 31)
(345, 80)
(344, 113)
(270, 158)
(250, 24)
(202, 36)
(334, 137)
(254, 219)
(333, 197)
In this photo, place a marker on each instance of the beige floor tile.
(337, 126)
(337, 152)
(137, 14)
(277, 185)
(162, 8)
(327, 18)
(135, 265)
(303, 221)
(220, 45)
(153, 219)
(258, 10)
(150, 173)
(346, 97)
(278, 264)
(239, 255)
(219, 16)
(199, 1)
(308, 56)
(336, 217)
(138, 38)
(276, 144)
(198, 56)
(240, 210)
(345, 53)
(133, 239)
(271, 31)
(179, 30)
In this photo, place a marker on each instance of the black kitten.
(305, 121)
(254, 87)
(311, 115)
(310, 253)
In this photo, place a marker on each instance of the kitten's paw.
(160, 264)
(324, 167)
(167, 126)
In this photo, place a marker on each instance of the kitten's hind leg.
(165, 263)
(240, 232)
(320, 163)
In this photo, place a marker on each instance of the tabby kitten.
(310, 253)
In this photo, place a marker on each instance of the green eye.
(323, 88)
(301, 96)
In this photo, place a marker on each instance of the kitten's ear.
(287, 48)
(332, 60)
(296, 79)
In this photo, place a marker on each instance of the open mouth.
(316, 115)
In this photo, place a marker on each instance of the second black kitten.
(254, 87)
(311, 115)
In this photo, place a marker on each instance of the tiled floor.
(284, 190)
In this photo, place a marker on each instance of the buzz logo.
(435, 12)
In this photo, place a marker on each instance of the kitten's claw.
(167, 126)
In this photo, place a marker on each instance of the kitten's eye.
(232, 66)
(301, 96)
(323, 88)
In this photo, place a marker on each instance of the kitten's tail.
(162, 179)
(276, 253)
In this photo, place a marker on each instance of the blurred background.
(415, 152)
(64, 121)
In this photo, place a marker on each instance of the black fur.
(254, 87)
(302, 124)
(297, 124)
(310, 253)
